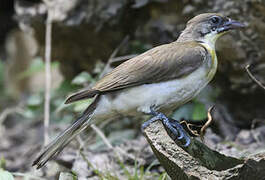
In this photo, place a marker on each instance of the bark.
(197, 161)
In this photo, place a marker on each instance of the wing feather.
(162, 63)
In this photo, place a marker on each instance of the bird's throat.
(213, 63)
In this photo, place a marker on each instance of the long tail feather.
(57, 145)
(85, 94)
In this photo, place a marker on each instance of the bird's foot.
(173, 126)
(181, 131)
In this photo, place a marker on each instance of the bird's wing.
(163, 63)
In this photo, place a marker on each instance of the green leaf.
(183, 112)
(5, 175)
(82, 78)
(208, 95)
(1, 72)
(37, 65)
(65, 87)
(139, 47)
(199, 111)
(28, 114)
(2, 162)
(163, 176)
(80, 106)
(2, 89)
(35, 100)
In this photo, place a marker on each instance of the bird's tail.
(57, 145)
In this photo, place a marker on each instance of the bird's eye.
(215, 20)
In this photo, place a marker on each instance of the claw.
(176, 128)
(172, 125)
(180, 129)
(181, 135)
(187, 142)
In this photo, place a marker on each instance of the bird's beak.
(229, 25)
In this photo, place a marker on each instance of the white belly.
(163, 96)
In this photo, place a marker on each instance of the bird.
(154, 83)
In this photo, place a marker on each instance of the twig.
(48, 39)
(121, 59)
(113, 54)
(87, 161)
(207, 124)
(117, 150)
(103, 137)
(164, 176)
(253, 77)
(27, 176)
(90, 165)
(80, 141)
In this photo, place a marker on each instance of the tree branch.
(48, 45)
(197, 161)
(253, 77)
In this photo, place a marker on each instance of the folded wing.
(163, 63)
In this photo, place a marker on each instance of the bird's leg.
(172, 125)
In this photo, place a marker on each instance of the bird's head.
(208, 28)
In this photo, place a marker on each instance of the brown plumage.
(162, 63)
